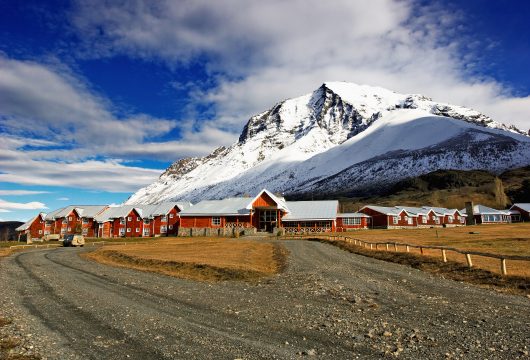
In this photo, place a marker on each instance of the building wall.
(173, 222)
(36, 229)
(135, 224)
(525, 215)
(379, 220)
(345, 227)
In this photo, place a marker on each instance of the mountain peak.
(343, 135)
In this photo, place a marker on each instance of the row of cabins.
(107, 221)
(266, 212)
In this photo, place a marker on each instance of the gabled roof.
(524, 206)
(280, 201)
(416, 210)
(311, 210)
(150, 211)
(481, 209)
(89, 211)
(229, 206)
(114, 212)
(28, 223)
(392, 211)
(352, 215)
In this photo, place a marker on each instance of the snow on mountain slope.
(339, 133)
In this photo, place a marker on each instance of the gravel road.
(327, 304)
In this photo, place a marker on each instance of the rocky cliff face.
(343, 135)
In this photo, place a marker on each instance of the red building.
(520, 212)
(413, 217)
(353, 221)
(486, 215)
(32, 229)
(74, 219)
(265, 212)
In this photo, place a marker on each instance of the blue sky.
(96, 99)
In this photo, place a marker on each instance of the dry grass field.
(203, 259)
(506, 239)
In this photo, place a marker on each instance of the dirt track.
(328, 304)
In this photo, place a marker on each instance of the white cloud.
(263, 52)
(21, 206)
(63, 199)
(4, 211)
(21, 192)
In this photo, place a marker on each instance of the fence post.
(503, 267)
(444, 256)
(468, 259)
(371, 246)
(395, 247)
(386, 246)
(421, 250)
(408, 248)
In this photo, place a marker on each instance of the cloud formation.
(21, 192)
(21, 206)
(263, 52)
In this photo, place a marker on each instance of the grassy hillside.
(447, 188)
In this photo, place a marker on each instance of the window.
(146, 221)
(171, 216)
(163, 218)
(40, 232)
(137, 229)
(122, 231)
(351, 221)
(85, 231)
(450, 219)
(216, 220)
(64, 221)
(46, 232)
(138, 219)
(395, 219)
(409, 219)
(170, 227)
(128, 229)
(69, 218)
(122, 221)
(437, 220)
(69, 228)
(163, 229)
(129, 218)
(85, 221)
(63, 231)
(146, 232)
(424, 219)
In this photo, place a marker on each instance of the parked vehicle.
(74, 240)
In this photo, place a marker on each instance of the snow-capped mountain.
(343, 137)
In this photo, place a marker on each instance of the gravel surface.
(328, 304)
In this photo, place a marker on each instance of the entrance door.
(267, 219)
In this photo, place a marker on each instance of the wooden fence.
(395, 246)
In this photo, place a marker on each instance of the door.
(267, 220)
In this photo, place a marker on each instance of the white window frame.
(395, 220)
(450, 218)
(437, 218)
(40, 232)
(216, 220)
(85, 220)
(122, 231)
(63, 230)
(69, 218)
(410, 220)
(128, 229)
(351, 221)
(424, 219)
(163, 229)
(122, 221)
(85, 231)
(170, 227)
(65, 221)
(137, 230)
(138, 219)
(146, 232)
(163, 218)
(69, 228)
(129, 218)
(146, 221)
(171, 216)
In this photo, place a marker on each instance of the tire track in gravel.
(204, 321)
(84, 323)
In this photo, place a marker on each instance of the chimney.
(470, 220)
